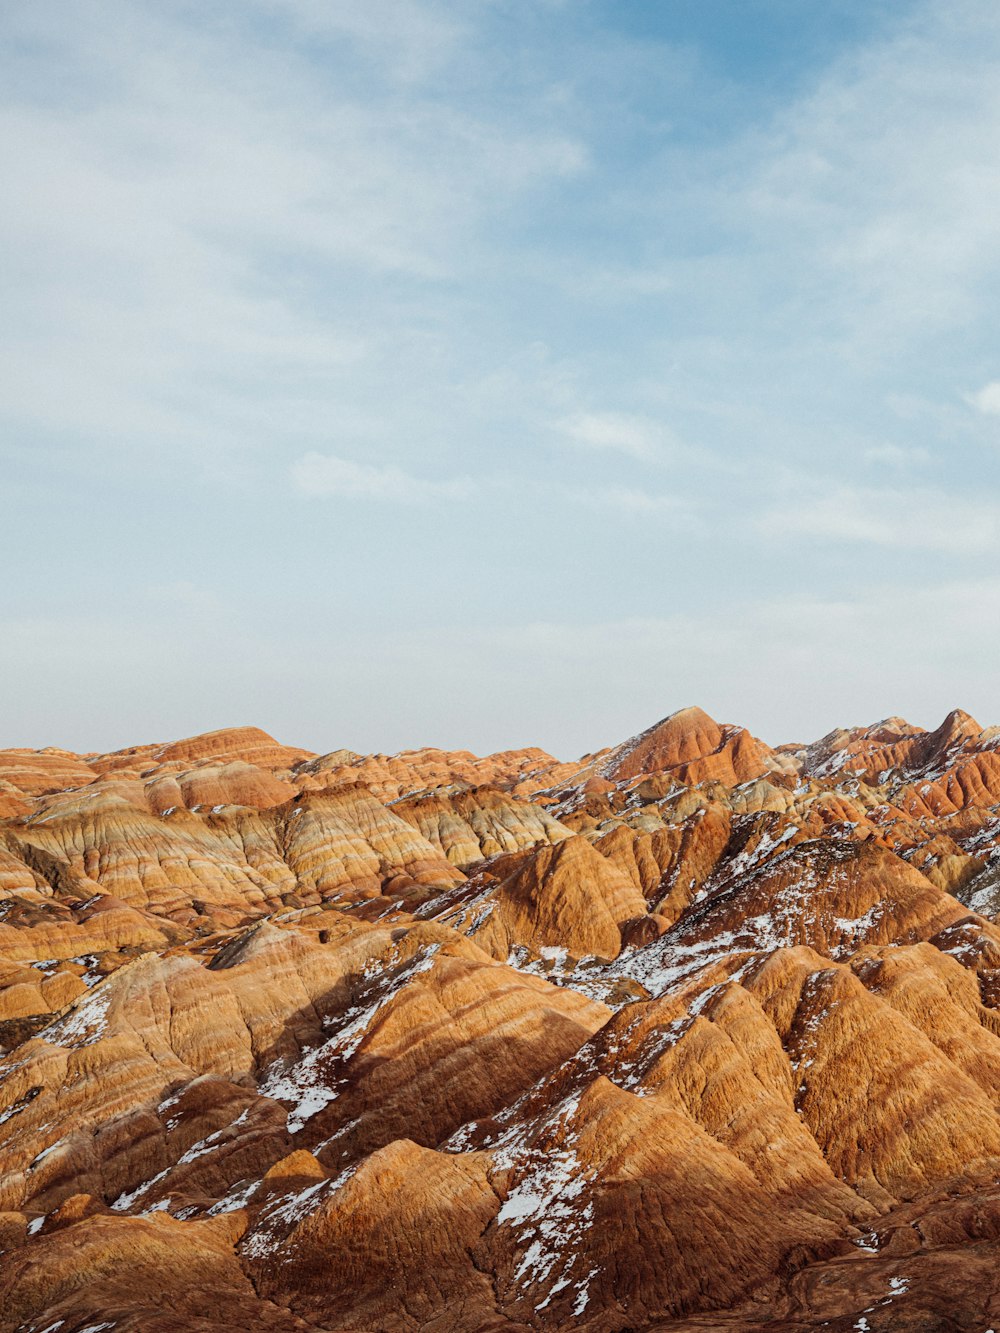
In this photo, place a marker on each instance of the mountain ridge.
(692, 1032)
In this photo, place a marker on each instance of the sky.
(483, 373)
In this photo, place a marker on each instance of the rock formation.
(690, 1033)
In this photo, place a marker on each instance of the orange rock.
(247, 744)
(693, 746)
(35, 772)
(690, 1033)
(564, 896)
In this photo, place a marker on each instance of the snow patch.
(547, 1207)
(84, 1025)
(311, 1082)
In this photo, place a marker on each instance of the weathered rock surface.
(692, 1033)
(475, 824)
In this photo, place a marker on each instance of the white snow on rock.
(311, 1082)
(84, 1025)
(548, 1206)
(285, 1213)
(204, 1146)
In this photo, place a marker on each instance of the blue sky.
(497, 372)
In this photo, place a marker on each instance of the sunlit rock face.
(690, 1033)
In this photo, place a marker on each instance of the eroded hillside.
(692, 1033)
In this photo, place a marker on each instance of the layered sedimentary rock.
(247, 745)
(694, 748)
(565, 896)
(392, 776)
(692, 1032)
(475, 824)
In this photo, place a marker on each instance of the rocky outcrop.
(477, 823)
(35, 772)
(247, 745)
(391, 777)
(565, 896)
(693, 747)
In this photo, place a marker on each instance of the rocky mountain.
(690, 1033)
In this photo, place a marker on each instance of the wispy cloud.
(683, 513)
(895, 518)
(987, 399)
(789, 641)
(223, 238)
(418, 36)
(636, 436)
(883, 180)
(267, 258)
(327, 476)
(896, 456)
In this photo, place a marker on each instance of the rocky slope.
(690, 1033)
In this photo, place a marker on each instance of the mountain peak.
(676, 739)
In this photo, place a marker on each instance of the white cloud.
(987, 399)
(858, 222)
(896, 456)
(419, 37)
(898, 518)
(789, 667)
(631, 500)
(209, 217)
(636, 436)
(327, 476)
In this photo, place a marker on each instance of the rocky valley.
(690, 1033)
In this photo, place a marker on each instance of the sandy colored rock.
(478, 823)
(563, 896)
(691, 1032)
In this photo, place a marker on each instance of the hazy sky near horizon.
(490, 372)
